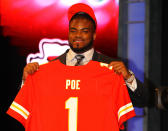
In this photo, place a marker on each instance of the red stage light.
(45, 2)
(26, 22)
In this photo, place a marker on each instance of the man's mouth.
(78, 40)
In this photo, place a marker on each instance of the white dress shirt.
(71, 60)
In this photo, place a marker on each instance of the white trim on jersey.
(106, 65)
(20, 110)
(124, 110)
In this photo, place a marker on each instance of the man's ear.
(94, 36)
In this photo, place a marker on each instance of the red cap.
(80, 7)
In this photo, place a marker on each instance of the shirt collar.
(71, 56)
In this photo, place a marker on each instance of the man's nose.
(78, 34)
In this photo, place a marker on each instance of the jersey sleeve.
(123, 104)
(20, 109)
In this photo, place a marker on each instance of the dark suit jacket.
(139, 97)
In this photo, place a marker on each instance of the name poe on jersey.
(72, 84)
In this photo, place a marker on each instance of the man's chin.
(78, 50)
(83, 49)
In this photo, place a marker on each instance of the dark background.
(12, 64)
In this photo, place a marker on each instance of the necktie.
(79, 59)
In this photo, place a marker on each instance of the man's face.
(81, 35)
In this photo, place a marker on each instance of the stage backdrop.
(27, 22)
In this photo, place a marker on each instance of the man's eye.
(72, 31)
(85, 31)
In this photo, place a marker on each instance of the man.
(82, 33)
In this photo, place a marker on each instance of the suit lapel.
(62, 58)
(95, 56)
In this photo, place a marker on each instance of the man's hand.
(29, 69)
(120, 68)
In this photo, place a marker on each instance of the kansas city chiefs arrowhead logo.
(48, 50)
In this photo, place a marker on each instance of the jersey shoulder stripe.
(19, 109)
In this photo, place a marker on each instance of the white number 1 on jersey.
(72, 105)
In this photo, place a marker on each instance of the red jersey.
(73, 98)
